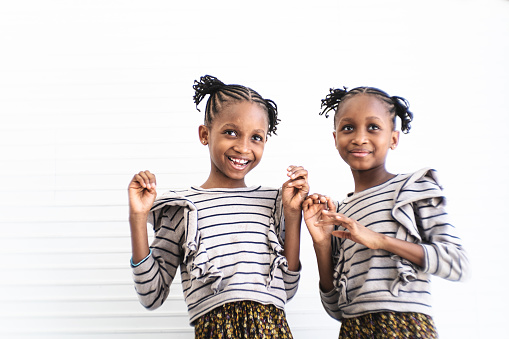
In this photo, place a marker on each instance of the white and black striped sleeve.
(445, 256)
(153, 276)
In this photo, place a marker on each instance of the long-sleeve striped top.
(408, 207)
(227, 243)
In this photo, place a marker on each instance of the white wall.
(93, 91)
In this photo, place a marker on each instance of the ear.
(334, 135)
(394, 139)
(203, 132)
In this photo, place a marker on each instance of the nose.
(359, 137)
(242, 145)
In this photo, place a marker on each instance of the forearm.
(325, 266)
(404, 249)
(292, 240)
(139, 237)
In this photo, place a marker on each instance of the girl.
(378, 247)
(237, 247)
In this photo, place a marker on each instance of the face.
(364, 133)
(236, 139)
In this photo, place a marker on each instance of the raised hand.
(371, 239)
(296, 189)
(315, 208)
(355, 230)
(294, 192)
(142, 192)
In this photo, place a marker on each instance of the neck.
(214, 183)
(370, 178)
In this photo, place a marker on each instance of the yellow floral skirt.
(389, 325)
(242, 320)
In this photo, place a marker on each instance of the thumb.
(330, 205)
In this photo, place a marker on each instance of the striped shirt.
(408, 207)
(227, 243)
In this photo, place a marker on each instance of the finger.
(330, 204)
(146, 179)
(152, 179)
(327, 221)
(140, 180)
(149, 179)
(297, 183)
(342, 234)
(296, 171)
(307, 203)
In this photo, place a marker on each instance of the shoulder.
(177, 198)
(421, 180)
(420, 185)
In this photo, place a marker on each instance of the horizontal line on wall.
(68, 267)
(78, 299)
(74, 283)
(68, 315)
(54, 221)
(33, 331)
(63, 236)
(77, 221)
(67, 251)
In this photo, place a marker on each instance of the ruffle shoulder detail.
(421, 185)
(276, 240)
(195, 256)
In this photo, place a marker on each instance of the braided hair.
(397, 106)
(220, 94)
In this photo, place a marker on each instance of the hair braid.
(397, 106)
(220, 94)
(401, 106)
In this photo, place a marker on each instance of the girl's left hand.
(296, 189)
(355, 230)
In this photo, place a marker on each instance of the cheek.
(258, 150)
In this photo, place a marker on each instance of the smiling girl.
(237, 247)
(378, 247)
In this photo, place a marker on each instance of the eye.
(257, 137)
(373, 127)
(230, 132)
(347, 128)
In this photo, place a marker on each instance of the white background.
(93, 91)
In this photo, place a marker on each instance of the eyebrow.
(372, 117)
(261, 131)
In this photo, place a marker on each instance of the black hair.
(397, 106)
(219, 93)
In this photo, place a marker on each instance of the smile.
(360, 152)
(238, 163)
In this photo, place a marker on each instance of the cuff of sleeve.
(327, 295)
(430, 259)
(290, 272)
(141, 262)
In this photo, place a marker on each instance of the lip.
(360, 153)
(238, 163)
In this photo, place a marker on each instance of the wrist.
(383, 242)
(323, 247)
(138, 215)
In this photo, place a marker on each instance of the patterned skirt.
(243, 319)
(389, 325)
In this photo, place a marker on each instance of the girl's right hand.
(312, 209)
(142, 193)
